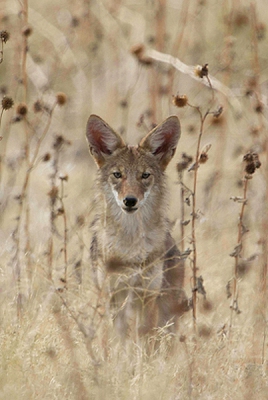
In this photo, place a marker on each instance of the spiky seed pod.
(4, 36)
(27, 30)
(22, 109)
(184, 163)
(180, 101)
(201, 71)
(37, 106)
(61, 98)
(252, 163)
(7, 103)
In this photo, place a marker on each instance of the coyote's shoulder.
(131, 240)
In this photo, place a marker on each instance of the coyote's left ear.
(162, 140)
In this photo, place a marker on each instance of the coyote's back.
(131, 243)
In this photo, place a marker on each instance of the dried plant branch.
(252, 163)
(191, 71)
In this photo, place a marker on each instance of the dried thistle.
(184, 163)
(37, 106)
(252, 163)
(204, 154)
(259, 107)
(27, 30)
(4, 36)
(22, 109)
(7, 103)
(61, 98)
(46, 157)
(180, 101)
(201, 71)
(59, 142)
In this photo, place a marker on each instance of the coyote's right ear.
(102, 139)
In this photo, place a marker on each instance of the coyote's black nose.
(130, 201)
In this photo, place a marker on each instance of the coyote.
(131, 243)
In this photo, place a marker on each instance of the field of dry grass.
(62, 61)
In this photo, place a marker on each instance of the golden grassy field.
(62, 61)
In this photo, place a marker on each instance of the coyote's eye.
(117, 175)
(145, 175)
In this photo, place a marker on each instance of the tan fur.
(131, 241)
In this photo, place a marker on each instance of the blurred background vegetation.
(62, 61)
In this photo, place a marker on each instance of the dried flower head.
(61, 98)
(184, 163)
(27, 30)
(46, 157)
(180, 101)
(64, 178)
(252, 163)
(201, 71)
(22, 109)
(59, 142)
(241, 18)
(258, 107)
(37, 106)
(4, 36)
(7, 103)
(203, 157)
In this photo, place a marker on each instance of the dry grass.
(65, 60)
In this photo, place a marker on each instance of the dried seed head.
(37, 106)
(203, 158)
(204, 154)
(252, 163)
(27, 30)
(201, 71)
(22, 109)
(180, 101)
(184, 163)
(258, 107)
(61, 98)
(46, 157)
(250, 168)
(7, 103)
(64, 178)
(59, 142)
(4, 36)
(241, 18)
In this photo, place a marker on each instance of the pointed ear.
(162, 140)
(102, 140)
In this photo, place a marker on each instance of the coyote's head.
(130, 175)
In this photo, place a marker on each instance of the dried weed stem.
(22, 197)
